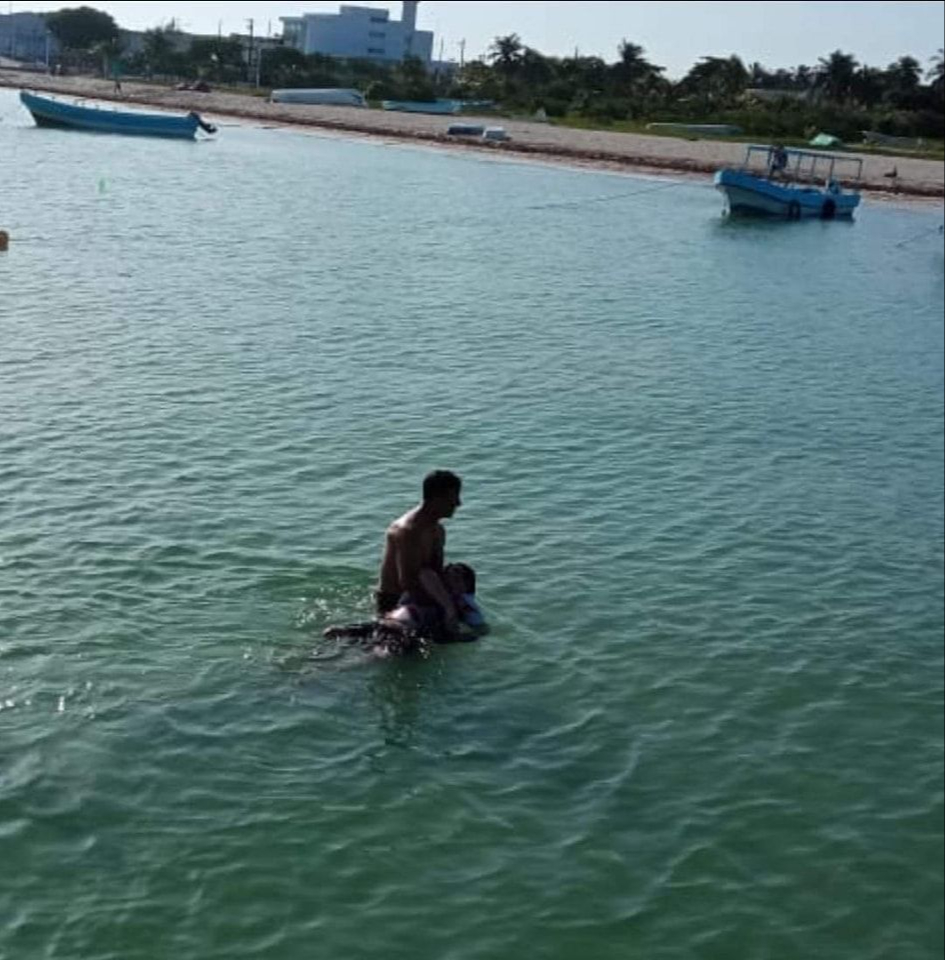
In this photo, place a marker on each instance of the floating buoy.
(4, 240)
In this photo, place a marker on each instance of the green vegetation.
(82, 28)
(837, 95)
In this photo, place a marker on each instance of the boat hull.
(54, 113)
(436, 107)
(325, 97)
(747, 194)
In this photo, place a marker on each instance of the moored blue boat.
(792, 184)
(49, 112)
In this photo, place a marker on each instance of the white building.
(365, 33)
(24, 37)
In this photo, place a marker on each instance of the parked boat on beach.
(791, 184)
(696, 129)
(465, 130)
(50, 112)
(876, 139)
(436, 107)
(322, 96)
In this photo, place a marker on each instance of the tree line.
(837, 94)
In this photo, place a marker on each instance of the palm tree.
(536, 69)
(868, 87)
(937, 73)
(902, 82)
(157, 47)
(836, 74)
(633, 69)
(506, 53)
(804, 77)
(758, 76)
(717, 80)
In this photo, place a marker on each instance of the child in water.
(411, 627)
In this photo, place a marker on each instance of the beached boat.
(437, 107)
(876, 139)
(696, 129)
(791, 184)
(478, 131)
(322, 96)
(49, 112)
(465, 130)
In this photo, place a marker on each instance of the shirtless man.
(414, 549)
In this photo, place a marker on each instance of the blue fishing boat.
(49, 112)
(792, 184)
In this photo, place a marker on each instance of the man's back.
(415, 545)
(411, 546)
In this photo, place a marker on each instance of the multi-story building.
(24, 37)
(365, 33)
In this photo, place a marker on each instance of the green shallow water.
(704, 494)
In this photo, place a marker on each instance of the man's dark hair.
(439, 483)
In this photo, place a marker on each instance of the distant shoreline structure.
(605, 150)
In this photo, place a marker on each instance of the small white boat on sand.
(322, 96)
(792, 184)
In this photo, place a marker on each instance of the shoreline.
(531, 140)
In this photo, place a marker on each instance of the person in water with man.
(412, 629)
(418, 596)
(415, 545)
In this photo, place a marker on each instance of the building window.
(378, 19)
(375, 52)
(377, 35)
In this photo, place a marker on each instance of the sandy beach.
(611, 150)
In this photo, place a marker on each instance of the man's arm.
(424, 577)
(431, 579)
(389, 580)
(437, 560)
(434, 587)
(419, 567)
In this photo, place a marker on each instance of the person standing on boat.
(412, 566)
(778, 161)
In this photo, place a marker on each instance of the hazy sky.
(675, 33)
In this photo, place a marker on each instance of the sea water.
(703, 465)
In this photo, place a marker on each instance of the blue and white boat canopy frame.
(802, 166)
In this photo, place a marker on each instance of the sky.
(778, 33)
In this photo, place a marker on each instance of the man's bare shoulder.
(403, 526)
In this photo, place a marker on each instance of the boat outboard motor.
(206, 127)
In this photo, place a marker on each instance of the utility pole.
(462, 54)
(249, 63)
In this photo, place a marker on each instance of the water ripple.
(704, 498)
